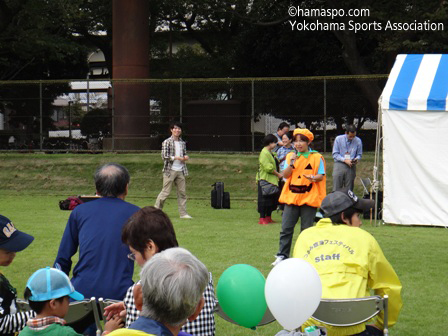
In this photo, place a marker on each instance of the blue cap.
(50, 283)
(12, 239)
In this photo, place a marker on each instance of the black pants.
(266, 204)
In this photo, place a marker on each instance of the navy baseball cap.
(338, 201)
(50, 283)
(12, 239)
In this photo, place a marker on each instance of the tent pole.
(375, 184)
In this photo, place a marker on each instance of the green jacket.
(54, 329)
(267, 167)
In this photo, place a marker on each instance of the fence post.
(180, 100)
(41, 117)
(113, 116)
(252, 121)
(88, 92)
(70, 124)
(325, 115)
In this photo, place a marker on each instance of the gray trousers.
(343, 176)
(177, 178)
(290, 217)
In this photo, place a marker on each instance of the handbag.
(268, 189)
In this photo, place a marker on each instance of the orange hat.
(305, 132)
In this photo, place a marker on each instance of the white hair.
(173, 282)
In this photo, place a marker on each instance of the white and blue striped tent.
(415, 141)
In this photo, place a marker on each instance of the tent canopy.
(417, 83)
(415, 141)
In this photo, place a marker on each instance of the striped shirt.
(11, 321)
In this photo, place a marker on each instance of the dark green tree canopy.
(42, 39)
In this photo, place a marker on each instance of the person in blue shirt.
(282, 129)
(347, 152)
(285, 149)
(103, 269)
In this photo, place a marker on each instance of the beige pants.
(177, 178)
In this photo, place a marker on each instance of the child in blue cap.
(48, 291)
(11, 242)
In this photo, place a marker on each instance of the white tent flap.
(415, 141)
(415, 167)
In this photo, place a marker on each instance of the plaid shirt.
(203, 325)
(281, 155)
(168, 152)
(44, 322)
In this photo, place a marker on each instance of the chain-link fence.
(227, 114)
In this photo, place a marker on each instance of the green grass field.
(32, 184)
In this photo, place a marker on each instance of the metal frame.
(103, 303)
(80, 309)
(350, 312)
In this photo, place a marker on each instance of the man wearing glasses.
(347, 152)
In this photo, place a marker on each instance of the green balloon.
(240, 293)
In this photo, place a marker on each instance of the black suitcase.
(226, 200)
(219, 198)
(217, 195)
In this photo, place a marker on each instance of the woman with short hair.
(267, 172)
(147, 232)
(303, 191)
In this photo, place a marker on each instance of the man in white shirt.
(174, 154)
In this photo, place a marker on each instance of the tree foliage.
(96, 123)
(36, 42)
(240, 38)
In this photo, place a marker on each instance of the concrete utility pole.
(130, 59)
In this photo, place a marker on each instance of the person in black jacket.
(11, 242)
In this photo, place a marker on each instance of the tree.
(96, 123)
(36, 42)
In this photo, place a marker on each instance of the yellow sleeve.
(299, 247)
(384, 281)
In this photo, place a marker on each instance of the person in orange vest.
(304, 190)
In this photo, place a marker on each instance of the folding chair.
(366, 182)
(79, 310)
(103, 303)
(267, 318)
(350, 312)
(22, 305)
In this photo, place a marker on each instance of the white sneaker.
(278, 260)
(187, 216)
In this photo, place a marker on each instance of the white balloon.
(293, 291)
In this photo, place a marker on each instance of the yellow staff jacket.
(350, 263)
